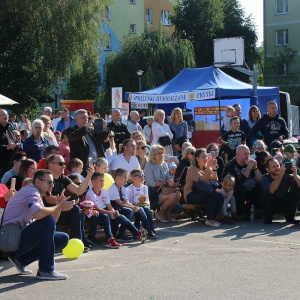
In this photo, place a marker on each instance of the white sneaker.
(51, 275)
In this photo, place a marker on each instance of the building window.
(132, 28)
(281, 6)
(282, 37)
(132, 1)
(107, 42)
(165, 17)
(149, 16)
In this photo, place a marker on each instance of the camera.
(288, 166)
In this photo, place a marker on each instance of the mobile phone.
(209, 157)
(98, 125)
(73, 197)
(90, 161)
(288, 166)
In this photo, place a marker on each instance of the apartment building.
(281, 31)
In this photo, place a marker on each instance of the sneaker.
(152, 235)
(142, 235)
(21, 269)
(86, 249)
(92, 240)
(124, 238)
(53, 275)
(212, 224)
(112, 243)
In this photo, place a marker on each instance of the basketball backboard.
(229, 52)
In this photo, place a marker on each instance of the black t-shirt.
(59, 184)
(234, 139)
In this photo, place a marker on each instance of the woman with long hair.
(141, 153)
(204, 171)
(254, 115)
(178, 127)
(25, 123)
(111, 152)
(48, 133)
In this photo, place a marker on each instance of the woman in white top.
(160, 129)
(48, 134)
(25, 124)
(111, 152)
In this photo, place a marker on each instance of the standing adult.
(56, 120)
(111, 152)
(247, 177)
(271, 126)
(35, 144)
(12, 121)
(126, 160)
(8, 143)
(156, 174)
(84, 142)
(39, 238)
(253, 115)
(133, 124)
(47, 132)
(203, 170)
(178, 127)
(244, 126)
(25, 123)
(47, 111)
(120, 130)
(65, 121)
(161, 130)
(148, 130)
(280, 191)
(142, 121)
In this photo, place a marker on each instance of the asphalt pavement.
(187, 261)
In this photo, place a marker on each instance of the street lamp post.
(140, 74)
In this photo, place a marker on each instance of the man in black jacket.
(244, 126)
(8, 143)
(271, 126)
(121, 131)
(84, 142)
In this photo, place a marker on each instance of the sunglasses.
(60, 163)
(139, 175)
(49, 182)
(143, 147)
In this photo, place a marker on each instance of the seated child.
(227, 193)
(172, 169)
(75, 167)
(289, 153)
(119, 200)
(138, 196)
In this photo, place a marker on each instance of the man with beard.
(280, 191)
(247, 177)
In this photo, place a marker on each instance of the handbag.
(164, 141)
(206, 188)
(166, 189)
(10, 236)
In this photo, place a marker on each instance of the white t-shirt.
(121, 162)
(100, 200)
(114, 194)
(134, 193)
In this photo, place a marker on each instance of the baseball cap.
(172, 166)
(275, 144)
(289, 148)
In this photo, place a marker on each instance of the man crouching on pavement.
(39, 240)
(280, 191)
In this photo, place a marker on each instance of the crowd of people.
(123, 176)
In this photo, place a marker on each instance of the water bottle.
(252, 214)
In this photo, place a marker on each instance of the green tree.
(199, 21)
(155, 52)
(84, 83)
(54, 36)
(280, 71)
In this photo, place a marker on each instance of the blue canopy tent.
(204, 84)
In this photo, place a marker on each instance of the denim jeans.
(128, 213)
(214, 202)
(144, 215)
(72, 218)
(125, 224)
(39, 241)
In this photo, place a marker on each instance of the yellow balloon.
(74, 248)
(108, 181)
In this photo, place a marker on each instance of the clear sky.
(255, 7)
